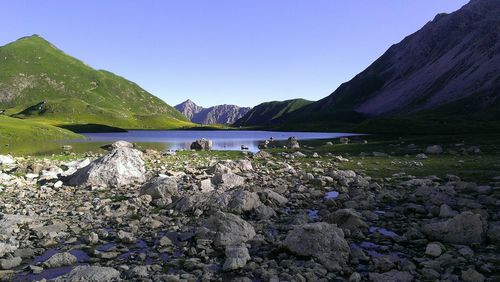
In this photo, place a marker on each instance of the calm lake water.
(164, 140)
(222, 139)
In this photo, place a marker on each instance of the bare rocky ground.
(147, 216)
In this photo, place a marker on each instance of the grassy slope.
(13, 130)
(268, 112)
(33, 70)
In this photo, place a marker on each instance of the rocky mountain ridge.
(450, 68)
(220, 114)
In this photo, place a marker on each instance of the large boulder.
(160, 188)
(465, 228)
(201, 144)
(91, 274)
(321, 240)
(122, 166)
(229, 229)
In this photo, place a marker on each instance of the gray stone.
(243, 201)
(10, 263)
(160, 188)
(90, 274)
(230, 229)
(433, 250)
(391, 276)
(465, 228)
(202, 144)
(421, 156)
(494, 232)
(446, 211)
(117, 144)
(470, 275)
(126, 237)
(6, 248)
(321, 240)
(236, 257)
(6, 160)
(347, 219)
(206, 185)
(61, 259)
(434, 150)
(228, 180)
(293, 143)
(122, 166)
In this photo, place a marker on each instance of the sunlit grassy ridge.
(13, 130)
(33, 71)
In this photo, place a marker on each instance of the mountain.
(189, 109)
(267, 113)
(40, 82)
(220, 114)
(449, 71)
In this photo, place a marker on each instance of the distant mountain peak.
(220, 114)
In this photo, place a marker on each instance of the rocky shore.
(147, 216)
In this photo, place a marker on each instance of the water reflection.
(222, 139)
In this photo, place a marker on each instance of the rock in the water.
(122, 166)
(90, 274)
(321, 240)
(201, 144)
(61, 259)
(160, 188)
(434, 150)
(293, 143)
(236, 257)
(465, 228)
(230, 229)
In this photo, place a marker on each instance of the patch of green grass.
(480, 168)
(14, 131)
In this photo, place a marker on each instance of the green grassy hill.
(35, 71)
(13, 130)
(267, 113)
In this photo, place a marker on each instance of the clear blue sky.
(224, 51)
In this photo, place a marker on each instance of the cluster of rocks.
(136, 215)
